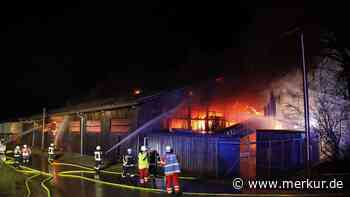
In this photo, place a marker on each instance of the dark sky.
(52, 52)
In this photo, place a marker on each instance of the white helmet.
(98, 147)
(143, 148)
(51, 144)
(129, 150)
(167, 149)
(17, 147)
(25, 146)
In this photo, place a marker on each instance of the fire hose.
(27, 183)
(71, 174)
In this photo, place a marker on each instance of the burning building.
(218, 121)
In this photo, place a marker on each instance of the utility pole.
(82, 121)
(306, 104)
(43, 130)
(300, 32)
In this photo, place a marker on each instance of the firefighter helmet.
(143, 148)
(129, 150)
(98, 147)
(167, 149)
(51, 145)
(25, 146)
(17, 147)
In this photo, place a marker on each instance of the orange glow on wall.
(120, 125)
(93, 126)
(206, 117)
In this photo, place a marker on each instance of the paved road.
(84, 182)
(66, 180)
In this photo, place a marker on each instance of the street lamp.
(306, 103)
(306, 95)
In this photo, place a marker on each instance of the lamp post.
(306, 95)
(306, 105)
(81, 116)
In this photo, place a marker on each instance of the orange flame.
(209, 118)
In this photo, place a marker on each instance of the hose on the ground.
(44, 186)
(112, 184)
(72, 165)
(27, 183)
(105, 171)
(69, 174)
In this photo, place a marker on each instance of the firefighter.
(128, 164)
(154, 159)
(26, 152)
(17, 154)
(171, 170)
(143, 162)
(98, 158)
(2, 151)
(51, 152)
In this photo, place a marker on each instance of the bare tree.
(328, 107)
(335, 46)
(328, 117)
(331, 108)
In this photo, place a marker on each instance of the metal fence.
(207, 155)
(227, 157)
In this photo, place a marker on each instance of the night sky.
(54, 52)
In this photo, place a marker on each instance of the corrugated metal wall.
(197, 154)
(279, 153)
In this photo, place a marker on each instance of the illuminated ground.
(64, 179)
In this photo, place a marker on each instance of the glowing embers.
(198, 125)
(178, 124)
(212, 117)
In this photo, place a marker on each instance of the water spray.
(22, 134)
(61, 130)
(146, 125)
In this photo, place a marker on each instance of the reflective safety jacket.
(128, 160)
(2, 148)
(17, 152)
(170, 163)
(98, 155)
(51, 150)
(143, 160)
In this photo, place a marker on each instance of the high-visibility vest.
(17, 152)
(51, 150)
(98, 155)
(128, 161)
(2, 148)
(171, 165)
(143, 160)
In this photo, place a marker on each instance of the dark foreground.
(39, 179)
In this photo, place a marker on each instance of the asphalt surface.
(41, 179)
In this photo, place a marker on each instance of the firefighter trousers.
(172, 180)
